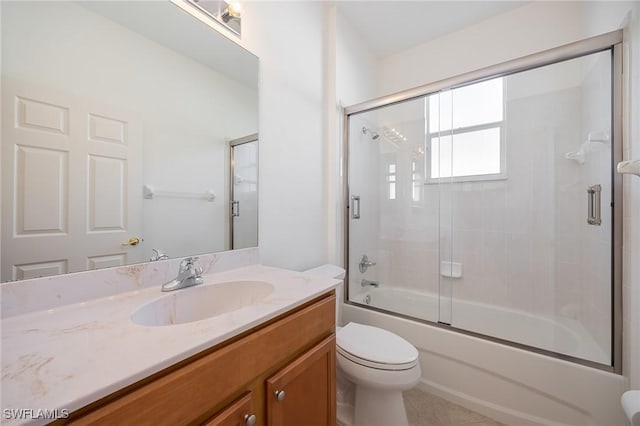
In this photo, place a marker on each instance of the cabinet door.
(304, 392)
(238, 413)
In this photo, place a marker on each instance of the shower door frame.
(232, 166)
(609, 41)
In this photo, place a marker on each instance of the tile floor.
(424, 409)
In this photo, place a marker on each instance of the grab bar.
(593, 210)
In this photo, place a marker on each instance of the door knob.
(133, 241)
(280, 395)
(249, 419)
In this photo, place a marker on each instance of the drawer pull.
(280, 395)
(249, 419)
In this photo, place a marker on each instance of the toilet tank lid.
(327, 271)
(375, 344)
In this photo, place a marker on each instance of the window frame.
(429, 136)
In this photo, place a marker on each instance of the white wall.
(355, 82)
(529, 29)
(292, 205)
(355, 66)
(185, 119)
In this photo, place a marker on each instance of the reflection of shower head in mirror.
(374, 135)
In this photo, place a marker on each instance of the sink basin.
(201, 302)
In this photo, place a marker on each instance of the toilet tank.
(335, 272)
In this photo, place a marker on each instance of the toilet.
(380, 365)
(374, 367)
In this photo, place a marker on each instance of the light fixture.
(225, 12)
(233, 10)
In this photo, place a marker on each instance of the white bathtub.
(511, 385)
(558, 334)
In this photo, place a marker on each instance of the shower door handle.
(235, 208)
(355, 207)
(593, 211)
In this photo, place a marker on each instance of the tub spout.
(367, 283)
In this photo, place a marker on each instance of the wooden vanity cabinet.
(302, 393)
(225, 385)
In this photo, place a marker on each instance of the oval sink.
(201, 302)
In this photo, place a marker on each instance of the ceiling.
(392, 26)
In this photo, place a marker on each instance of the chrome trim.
(536, 60)
(369, 283)
(617, 235)
(594, 201)
(244, 139)
(233, 143)
(365, 264)
(611, 40)
(355, 207)
(345, 197)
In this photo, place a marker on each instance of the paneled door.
(71, 183)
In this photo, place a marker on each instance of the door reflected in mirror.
(117, 119)
(244, 192)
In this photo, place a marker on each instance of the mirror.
(117, 126)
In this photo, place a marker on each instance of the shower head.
(374, 135)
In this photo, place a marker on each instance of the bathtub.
(559, 334)
(509, 384)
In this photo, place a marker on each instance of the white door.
(244, 197)
(71, 183)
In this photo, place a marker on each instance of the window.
(417, 182)
(465, 133)
(391, 180)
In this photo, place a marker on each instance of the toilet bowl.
(380, 365)
(374, 367)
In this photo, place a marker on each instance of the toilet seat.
(375, 348)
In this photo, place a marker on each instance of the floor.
(424, 409)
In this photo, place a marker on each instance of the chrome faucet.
(365, 264)
(158, 255)
(188, 275)
(367, 283)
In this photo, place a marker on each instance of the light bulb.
(235, 9)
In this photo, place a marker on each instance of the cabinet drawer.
(198, 389)
(237, 414)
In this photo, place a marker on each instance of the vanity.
(268, 359)
(281, 373)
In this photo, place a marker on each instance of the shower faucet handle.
(365, 264)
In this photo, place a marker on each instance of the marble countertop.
(67, 357)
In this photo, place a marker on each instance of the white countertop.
(70, 356)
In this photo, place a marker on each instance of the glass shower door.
(535, 238)
(488, 206)
(393, 216)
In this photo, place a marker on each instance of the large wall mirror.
(119, 120)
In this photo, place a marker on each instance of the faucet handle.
(187, 263)
(197, 271)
